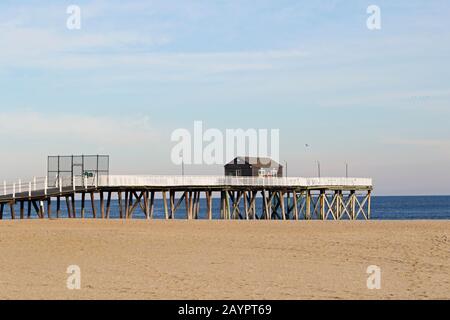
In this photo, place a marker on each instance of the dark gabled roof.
(259, 162)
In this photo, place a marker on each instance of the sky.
(136, 71)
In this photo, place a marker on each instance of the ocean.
(383, 208)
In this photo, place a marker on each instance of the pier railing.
(218, 181)
(44, 185)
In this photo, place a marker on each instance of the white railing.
(44, 185)
(180, 181)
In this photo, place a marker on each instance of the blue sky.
(137, 70)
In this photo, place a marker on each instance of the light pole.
(346, 170)
(286, 166)
(318, 168)
(182, 164)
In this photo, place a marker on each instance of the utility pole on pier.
(286, 165)
(182, 164)
(318, 168)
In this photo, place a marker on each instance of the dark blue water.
(411, 208)
(383, 208)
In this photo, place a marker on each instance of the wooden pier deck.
(279, 198)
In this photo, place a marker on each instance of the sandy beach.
(224, 259)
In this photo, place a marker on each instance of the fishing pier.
(245, 198)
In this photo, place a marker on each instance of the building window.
(262, 172)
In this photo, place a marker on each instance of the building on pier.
(253, 167)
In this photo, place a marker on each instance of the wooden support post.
(119, 197)
(94, 210)
(289, 209)
(353, 205)
(22, 209)
(197, 212)
(227, 197)
(369, 194)
(69, 211)
(246, 203)
(191, 199)
(222, 205)
(207, 204)
(322, 205)
(338, 205)
(276, 205)
(49, 207)
(130, 204)
(172, 204)
(74, 208)
(186, 203)
(194, 206)
(102, 205)
(58, 207)
(146, 205)
(308, 205)
(283, 210)
(210, 202)
(126, 205)
(2, 207)
(83, 204)
(108, 205)
(227, 206)
(252, 204)
(238, 198)
(246, 197)
(12, 209)
(29, 209)
(152, 204)
(41, 209)
(197, 206)
(271, 194)
(295, 200)
(266, 205)
(166, 209)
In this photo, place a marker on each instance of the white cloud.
(20, 43)
(45, 49)
(103, 131)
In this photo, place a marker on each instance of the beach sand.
(224, 259)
